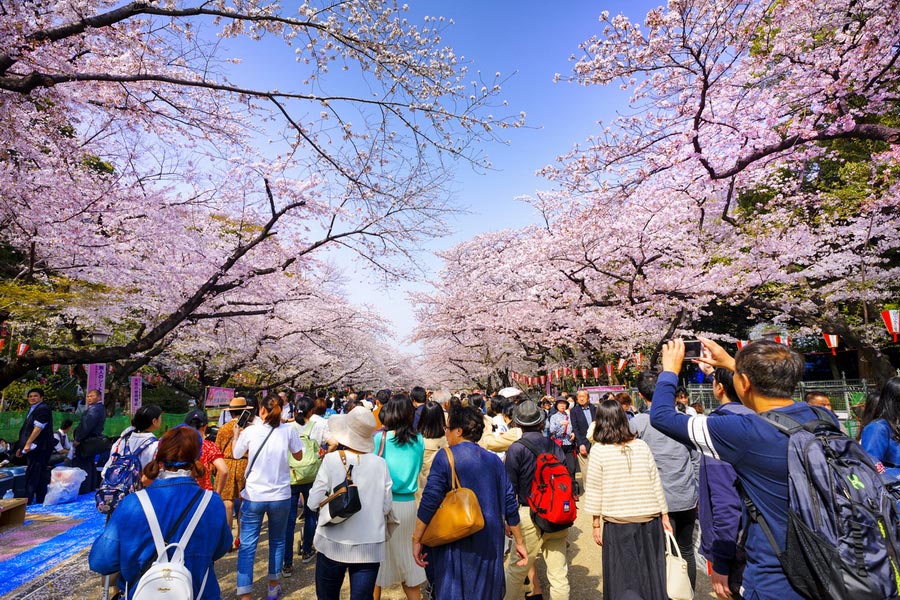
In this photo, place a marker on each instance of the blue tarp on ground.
(29, 565)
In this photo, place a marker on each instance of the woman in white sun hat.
(356, 545)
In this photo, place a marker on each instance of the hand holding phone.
(244, 418)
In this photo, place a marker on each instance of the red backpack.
(552, 498)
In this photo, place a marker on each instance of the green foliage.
(98, 165)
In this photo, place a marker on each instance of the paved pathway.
(71, 579)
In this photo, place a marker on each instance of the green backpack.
(305, 469)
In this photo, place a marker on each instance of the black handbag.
(343, 502)
(93, 446)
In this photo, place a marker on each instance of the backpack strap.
(530, 445)
(155, 531)
(788, 425)
(756, 516)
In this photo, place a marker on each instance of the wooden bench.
(12, 511)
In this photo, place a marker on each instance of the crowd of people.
(667, 467)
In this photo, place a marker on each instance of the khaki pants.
(552, 546)
(583, 465)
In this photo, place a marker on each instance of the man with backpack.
(792, 506)
(522, 465)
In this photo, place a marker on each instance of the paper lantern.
(891, 321)
(638, 359)
(609, 369)
(783, 339)
(22, 349)
(742, 343)
(831, 340)
(622, 363)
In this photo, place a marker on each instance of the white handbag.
(678, 583)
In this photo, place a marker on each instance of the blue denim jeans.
(289, 528)
(310, 520)
(251, 524)
(330, 578)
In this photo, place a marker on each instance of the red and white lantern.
(638, 359)
(783, 339)
(891, 321)
(596, 371)
(2, 344)
(54, 368)
(609, 370)
(543, 379)
(22, 349)
(831, 340)
(622, 363)
(742, 343)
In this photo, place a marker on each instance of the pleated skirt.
(398, 565)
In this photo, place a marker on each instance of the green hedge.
(11, 422)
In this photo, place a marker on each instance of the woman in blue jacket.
(126, 545)
(881, 428)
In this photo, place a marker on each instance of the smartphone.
(693, 348)
(245, 417)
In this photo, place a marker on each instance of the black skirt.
(634, 561)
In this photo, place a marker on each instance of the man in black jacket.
(90, 428)
(582, 415)
(36, 445)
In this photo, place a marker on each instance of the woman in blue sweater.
(126, 544)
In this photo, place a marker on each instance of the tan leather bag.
(458, 516)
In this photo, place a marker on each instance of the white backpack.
(168, 578)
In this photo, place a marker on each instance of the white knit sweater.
(622, 482)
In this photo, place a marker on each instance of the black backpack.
(842, 530)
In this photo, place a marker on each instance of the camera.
(693, 348)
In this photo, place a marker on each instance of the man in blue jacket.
(90, 427)
(720, 503)
(765, 375)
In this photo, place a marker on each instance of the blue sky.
(533, 39)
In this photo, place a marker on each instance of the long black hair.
(886, 406)
(397, 416)
(304, 410)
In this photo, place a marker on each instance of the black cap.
(196, 416)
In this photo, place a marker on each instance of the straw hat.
(239, 403)
(355, 429)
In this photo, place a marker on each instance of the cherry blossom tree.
(148, 180)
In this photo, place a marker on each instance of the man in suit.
(582, 415)
(91, 426)
(36, 445)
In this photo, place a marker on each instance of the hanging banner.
(97, 378)
(891, 321)
(831, 341)
(218, 396)
(137, 393)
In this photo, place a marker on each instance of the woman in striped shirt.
(624, 495)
